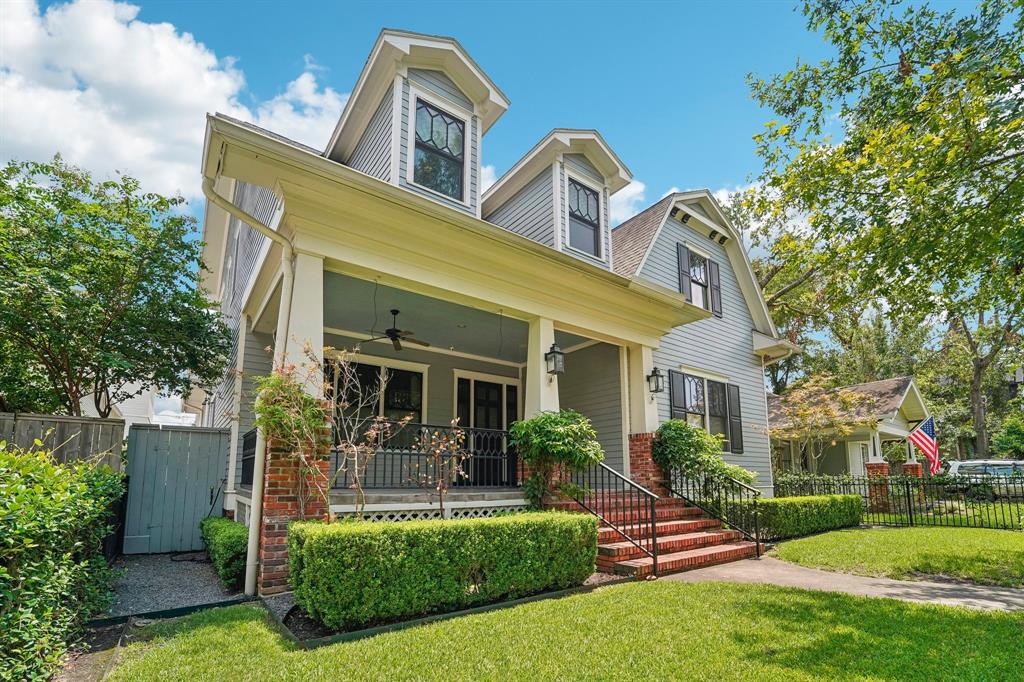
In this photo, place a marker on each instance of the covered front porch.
(848, 454)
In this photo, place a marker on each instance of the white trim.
(427, 349)
(455, 111)
(697, 250)
(556, 197)
(624, 407)
(473, 377)
(704, 373)
(361, 358)
(396, 130)
(413, 506)
(602, 226)
(581, 345)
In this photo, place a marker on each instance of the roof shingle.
(632, 238)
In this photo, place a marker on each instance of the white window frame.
(492, 378)
(707, 273)
(705, 376)
(383, 363)
(454, 110)
(602, 227)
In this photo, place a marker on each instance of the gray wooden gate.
(175, 477)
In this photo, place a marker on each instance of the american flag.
(924, 438)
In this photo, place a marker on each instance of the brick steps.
(676, 527)
(688, 559)
(667, 544)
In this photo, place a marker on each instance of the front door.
(486, 409)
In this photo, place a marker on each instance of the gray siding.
(721, 345)
(530, 211)
(372, 154)
(578, 164)
(440, 374)
(591, 385)
(472, 130)
(440, 84)
(256, 362)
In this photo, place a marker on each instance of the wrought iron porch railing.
(621, 504)
(403, 460)
(732, 502)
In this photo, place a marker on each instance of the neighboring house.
(142, 409)
(892, 408)
(1015, 381)
(391, 216)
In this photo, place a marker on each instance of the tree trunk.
(978, 411)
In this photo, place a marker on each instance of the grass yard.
(984, 556)
(1004, 514)
(659, 630)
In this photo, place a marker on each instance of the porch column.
(229, 490)
(307, 314)
(643, 408)
(541, 387)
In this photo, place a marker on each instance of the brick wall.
(642, 467)
(878, 493)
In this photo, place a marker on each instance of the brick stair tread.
(673, 527)
(702, 538)
(689, 559)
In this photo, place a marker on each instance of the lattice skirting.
(418, 511)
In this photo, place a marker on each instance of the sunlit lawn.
(652, 630)
(984, 556)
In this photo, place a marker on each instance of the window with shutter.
(735, 419)
(715, 283)
(707, 404)
(718, 412)
(683, 261)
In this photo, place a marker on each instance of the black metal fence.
(970, 501)
(732, 502)
(404, 459)
(619, 503)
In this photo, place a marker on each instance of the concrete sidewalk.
(770, 571)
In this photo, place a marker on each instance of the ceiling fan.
(398, 335)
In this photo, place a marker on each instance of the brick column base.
(915, 469)
(878, 492)
(642, 467)
(287, 488)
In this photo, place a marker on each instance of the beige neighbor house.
(388, 230)
(892, 409)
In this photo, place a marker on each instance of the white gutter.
(280, 345)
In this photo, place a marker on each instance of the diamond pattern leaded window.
(584, 218)
(440, 151)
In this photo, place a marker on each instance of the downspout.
(280, 345)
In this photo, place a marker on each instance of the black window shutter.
(735, 419)
(683, 257)
(716, 288)
(676, 394)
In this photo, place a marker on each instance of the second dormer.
(558, 194)
(416, 118)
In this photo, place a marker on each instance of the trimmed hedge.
(53, 575)
(226, 543)
(352, 574)
(793, 517)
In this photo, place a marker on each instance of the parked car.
(989, 478)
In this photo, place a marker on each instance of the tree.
(98, 290)
(1009, 442)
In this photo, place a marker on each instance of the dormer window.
(699, 279)
(584, 219)
(439, 163)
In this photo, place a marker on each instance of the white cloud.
(487, 177)
(627, 202)
(112, 93)
(671, 190)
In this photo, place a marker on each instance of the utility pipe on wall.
(280, 347)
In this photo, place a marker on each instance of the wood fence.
(71, 438)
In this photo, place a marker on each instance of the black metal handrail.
(623, 505)
(402, 459)
(732, 502)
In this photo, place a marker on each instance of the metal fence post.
(910, 505)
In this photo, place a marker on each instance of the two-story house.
(386, 231)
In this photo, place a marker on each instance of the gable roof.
(637, 236)
(887, 397)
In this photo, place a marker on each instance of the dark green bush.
(550, 441)
(53, 574)
(690, 450)
(226, 543)
(793, 517)
(355, 574)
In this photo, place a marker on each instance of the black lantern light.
(555, 360)
(656, 381)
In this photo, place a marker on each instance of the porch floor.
(419, 496)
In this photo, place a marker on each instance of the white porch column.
(541, 387)
(643, 408)
(876, 447)
(307, 314)
(229, 490)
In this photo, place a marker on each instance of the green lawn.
(1004, 514)
(653, 630)
(984, 556)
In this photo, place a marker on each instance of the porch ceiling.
(353, 305)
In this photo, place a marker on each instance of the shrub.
(678, 446)
(354, 574)
(793, 517)
(53, 575)
(552, 440)
(226, 543)
(1009, 441)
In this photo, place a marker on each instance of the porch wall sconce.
(656, 381)
(555, 361)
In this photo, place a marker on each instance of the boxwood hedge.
(793, 517)
(352, 574)
(226, 543)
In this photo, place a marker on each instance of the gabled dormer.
(558, 194)
(416, 117)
